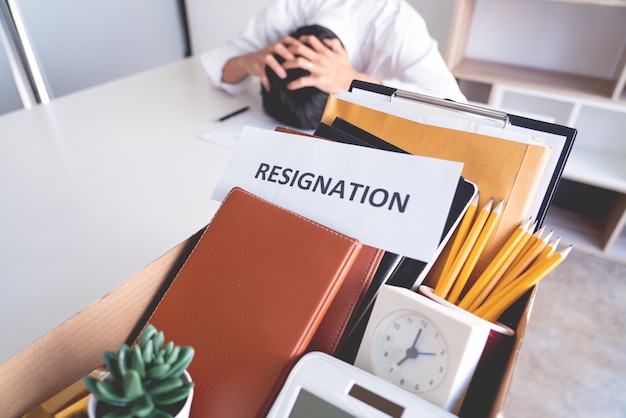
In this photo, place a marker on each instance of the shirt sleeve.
(279, 18)
(429, 76)
(414, 61)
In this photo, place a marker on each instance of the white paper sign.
(397, 202)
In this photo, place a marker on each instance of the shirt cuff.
(213, 62)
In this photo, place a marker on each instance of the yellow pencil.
(461, 233)
(506, 253)
(446, 280)
(498, 303)
(534, 246)
(495, 278)
(550, 248)
(477, 249)
(532, 241)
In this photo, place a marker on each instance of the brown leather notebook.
(340, 316)
(249, 298)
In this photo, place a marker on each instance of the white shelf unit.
(563, 62)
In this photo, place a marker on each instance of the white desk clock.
(422, 346)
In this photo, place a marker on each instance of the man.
(380, 41)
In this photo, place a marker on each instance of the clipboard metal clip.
(497, 115)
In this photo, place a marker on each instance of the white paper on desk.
(227, 132)
(397, 202)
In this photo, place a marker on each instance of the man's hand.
(327, 61)
(237, 68)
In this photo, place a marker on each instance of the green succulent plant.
(145, 378)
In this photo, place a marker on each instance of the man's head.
(300, 108)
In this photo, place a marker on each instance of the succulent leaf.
(171, 397)
(184, 359)
(158, 372)
(160, 357)
(122, 359)
(168, 348)
(148, 352)
(90, 383)
(146, 335)
(132, 384)
(164, 386)
(158, 339)
(111, 363)
(120, 413)
(173, 355)
(106, 392)
(143, 406)
(137, 362)
(157, 413)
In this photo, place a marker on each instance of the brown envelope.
(249, 298)
(502, 169)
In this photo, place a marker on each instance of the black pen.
(235, 113)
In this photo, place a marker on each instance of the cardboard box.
(73, 349)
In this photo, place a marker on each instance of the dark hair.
(300, 108)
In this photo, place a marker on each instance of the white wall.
(212, 23)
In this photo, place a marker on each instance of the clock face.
(410, 351)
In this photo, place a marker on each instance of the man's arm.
(253, 64)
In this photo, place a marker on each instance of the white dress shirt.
(386, 39)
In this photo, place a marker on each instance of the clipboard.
(495, 117)
(563, 138)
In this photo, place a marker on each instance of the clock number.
(424, 324)
(390, 369)
(396, 325)
(432, 382)
(443, 351)
(440, 369)
(386, 354)
(417, 386)
(402, 382)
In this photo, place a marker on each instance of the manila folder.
(502, 169)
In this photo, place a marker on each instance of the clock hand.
(416, 338)
(411, 352)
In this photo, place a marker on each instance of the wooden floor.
(573, 359)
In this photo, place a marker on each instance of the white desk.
(96, 185)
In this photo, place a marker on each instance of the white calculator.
(320, 385)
